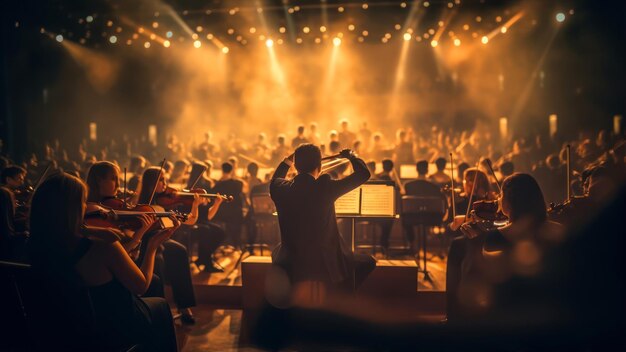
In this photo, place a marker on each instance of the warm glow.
(269, 43)
(336, 41)
(305, 29)
(560, 17)
(146, 45)
(457, 42)
(197, 44)
(225, 50)
(485, 39)
(113, 39)
(407, 36)
(166, 43)
(434, 43)
(503, 29)
(59, 38)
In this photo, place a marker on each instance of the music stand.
(423, 211)
(264, 208)
(373, 200)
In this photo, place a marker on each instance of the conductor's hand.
(346, 153)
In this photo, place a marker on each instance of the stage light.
(431, 31)
(336, 41)
(322, 29)
(434, 43)
(318, 40)
(503, 29)
(351, 27)
(340, 9)
(152, 36)
(59, 38)
(484, 39)
(299, 40)
(365, 33)
(129, 42)
(560, 17)
(450, 5)
(407, 36)
(231, 31)
(305, 30)
(457, 42)
(194, 36)
(197, 44)
(361, 39)
(283, 29)
(498, 19)
(397, 27)
(146, 45)
(118, 30)
(269, 43)
(109, 23)
(239, 38)
(252, 30)
(169, 34)
(466, 27)
(113, 39)
(426, 4)
(365, 6)
(89, 19)
(155, 25)
(403, 4)
(209, 36)
(279, 42)
(166, 43)
(225, 50)
(199, 29)
(140, 30)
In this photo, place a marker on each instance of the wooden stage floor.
(218, 327)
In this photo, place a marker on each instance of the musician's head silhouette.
(308, 158)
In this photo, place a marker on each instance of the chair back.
(262, 204)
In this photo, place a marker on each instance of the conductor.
(311, 247)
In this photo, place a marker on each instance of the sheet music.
(349, 202)
(408, 172)
(377, 200)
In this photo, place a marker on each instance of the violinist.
(173, 262)
(67, 260)
(475, 188)
(103, 182)
(501, 253)
(12, 236)
(207, 234)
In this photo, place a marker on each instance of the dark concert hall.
(312, 175)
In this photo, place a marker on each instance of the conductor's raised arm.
(360, 175)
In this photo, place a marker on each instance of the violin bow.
(124, 198)
(157, 182)
(452, 186)
(469, 200)
(567, 154)
(488, 162)
(43, 175)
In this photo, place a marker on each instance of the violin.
(172, 197)
(560, 212)
(114, 214)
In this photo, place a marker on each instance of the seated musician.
(173, 265)
(476, 187)
(440, 177)
(12, 237)
(420, 187)
(67, 260)
(231, 214)
(207, 234)
(311, 247)
(511, 252)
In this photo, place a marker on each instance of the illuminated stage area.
(304, 175)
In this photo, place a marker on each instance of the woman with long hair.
(64, 256)
(173, 265)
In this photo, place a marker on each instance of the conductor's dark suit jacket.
(311, 247)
